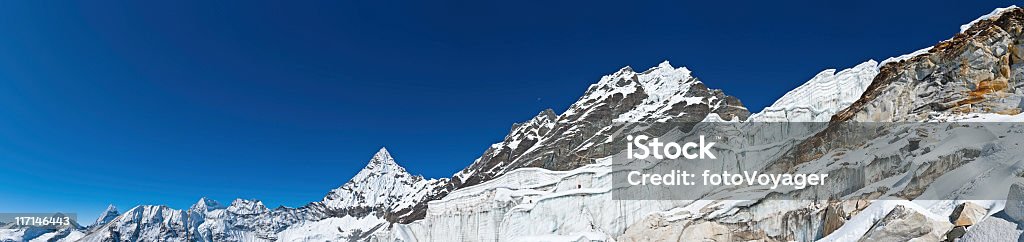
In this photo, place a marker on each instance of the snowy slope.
(821, 97)
(529, 204)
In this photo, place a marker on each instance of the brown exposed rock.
(835, 217)
(967, 214)
(972, 72)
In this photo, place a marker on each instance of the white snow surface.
(530, 204)
(822, 96)
(994, 14)
(247, 207)
(331, 229)
(664, 86)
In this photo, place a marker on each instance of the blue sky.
(163, 102)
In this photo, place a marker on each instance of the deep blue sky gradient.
(162, 102)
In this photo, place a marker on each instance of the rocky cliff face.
(977, 71)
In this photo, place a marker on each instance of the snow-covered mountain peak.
(244, 206)
(377, 184)
(205, 204)
(662, 93)
(109, 214)
(652, 87)
(546, 115)
(665, 79)
(651, 78)
(381, 163)
(665, 64)
(383, 154)
(666, 88)
(111, 209)
(534, 127)
(625, 70)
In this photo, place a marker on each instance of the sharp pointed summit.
(382, 153)
(380, 163)
(665, 63)
(205, 204)
(379, 184)
(383, 156)
(107, 215)
(110, 208)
